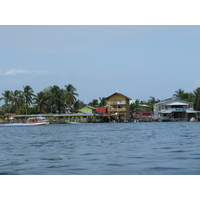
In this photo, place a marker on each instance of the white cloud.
(14, 72)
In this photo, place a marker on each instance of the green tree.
(191, 97)
(77, 105)
(7, 99)
(62, 105)
(185, 96)
(152, 100)
(42, 101)
(94, 103)
(178, 93)
(70, 95)
(55, 97)
(103, 102)
(131, 107)
(28, 96)
(135, 105)
(197, 98)
(17, 101)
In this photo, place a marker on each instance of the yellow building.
(118, 107)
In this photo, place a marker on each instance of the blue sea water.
(170, 148)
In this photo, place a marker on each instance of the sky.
(137, 61)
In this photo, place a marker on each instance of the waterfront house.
(142, 116)
(102, 113)
(90, 111)
(175, 109)
(118, 107)
(87, 109)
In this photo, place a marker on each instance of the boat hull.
(27, 124)
(68, 122)
(38, 123)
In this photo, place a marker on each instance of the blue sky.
(138, 61)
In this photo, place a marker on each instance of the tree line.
(54, 99)
(51, 100)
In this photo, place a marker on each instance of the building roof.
(143, 112)
(172, 111)
(58, 115)
(119, 94)
(101, 109)
(86, 106)
(9, 114)
(178, 103)
(174, 101)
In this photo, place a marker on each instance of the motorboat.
(69, 122)
(37, 121)
(31, 121)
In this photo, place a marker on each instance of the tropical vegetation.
(54, 99)
(102, 102)
(51, 100)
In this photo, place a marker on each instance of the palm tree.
(70, 95)
(17, 100)
(41, 100)
(152, 101)
(54, 92)
(103, 102)
(28, 96)
(77, 105)
(197, 98)
(178, 93)
(94, 103)
(7, 98)
(191, 97)
(135, 105)
(62, 101)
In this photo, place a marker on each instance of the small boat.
(31, 121)
(193, 119)
(69, 122)
(37, 121)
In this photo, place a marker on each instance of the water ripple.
(108, 148)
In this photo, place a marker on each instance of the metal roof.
(187, 111)
(178, 103)
(101, 109)
(119, 94)
(192, 111)
(174, 102)
(56, 115)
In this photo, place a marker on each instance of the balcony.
(117, 109)
(176, 109)
(118, 102)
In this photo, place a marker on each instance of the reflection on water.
(107, 148)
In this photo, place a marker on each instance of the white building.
(174, 109)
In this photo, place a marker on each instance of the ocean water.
(170, 148)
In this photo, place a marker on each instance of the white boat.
(37, 121)
(69, 122)
(31, 122)
(193, 119)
